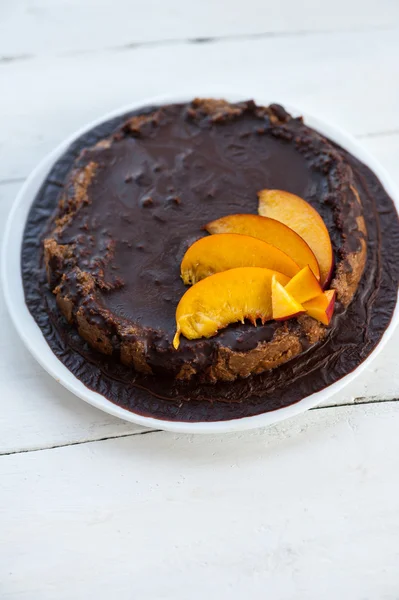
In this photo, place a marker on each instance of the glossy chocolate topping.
(147, 209)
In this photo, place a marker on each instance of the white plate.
(36, 343)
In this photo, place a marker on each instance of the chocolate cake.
(134, 201)
(302, 161)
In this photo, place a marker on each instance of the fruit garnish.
(300, 216)
(224, 298)
(321, 307)
(284, 305)
(270, 231)
(216, 253)
(304, 286)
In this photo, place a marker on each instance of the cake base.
(355, 333)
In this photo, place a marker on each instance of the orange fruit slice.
(226, 251)
(270, 231)
(321, 307)
(304, 286)
(300, 216)
(283, 304)
(224, 298)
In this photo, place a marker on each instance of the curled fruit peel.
(224, 298)
(224, 251)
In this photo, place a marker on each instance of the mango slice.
(270, 231)
(224, 298)
(321, 307)
(283, 304)
(300, 216)
(304, 286)
(225, 251)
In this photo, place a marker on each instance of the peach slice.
(321, 307)
(304, 286)
(283, 304)
(227, 297)
(224, 251)
(296, 213)
(270, 231)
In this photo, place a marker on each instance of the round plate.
(32, 336)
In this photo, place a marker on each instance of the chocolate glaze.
(355, 331)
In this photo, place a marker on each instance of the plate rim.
(31, 335)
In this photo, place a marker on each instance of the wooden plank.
(64, 26)
(341, 77)
(306, 510)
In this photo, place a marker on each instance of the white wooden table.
(90, 507)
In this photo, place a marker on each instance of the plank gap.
(78, 443)
(374, 134)
(12, 180)
(233, 37)
(5, 60)
(357, 401)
